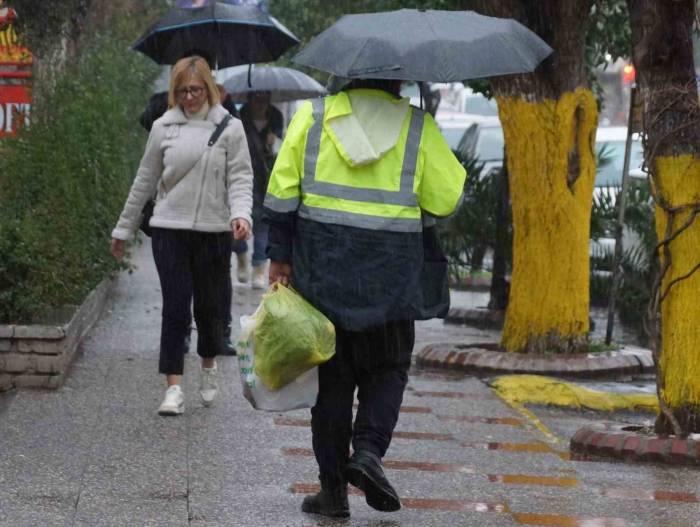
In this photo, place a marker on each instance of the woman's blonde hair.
(194, 65)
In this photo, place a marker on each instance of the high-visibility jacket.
(352, 186)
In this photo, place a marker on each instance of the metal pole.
(621, 203)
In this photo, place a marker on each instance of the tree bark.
(663, 58)
(549, 120)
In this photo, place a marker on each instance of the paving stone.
(98, 442)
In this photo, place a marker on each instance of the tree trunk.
(549, 120)
(663, 57)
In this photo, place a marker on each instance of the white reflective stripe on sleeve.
(281, 205)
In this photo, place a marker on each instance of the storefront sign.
(15, 76)
(15, 108)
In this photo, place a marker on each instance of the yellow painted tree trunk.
(551, 163)
(662, 49)
(678, 183)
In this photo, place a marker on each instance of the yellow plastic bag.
(291, 337)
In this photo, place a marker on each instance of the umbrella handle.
(250, 69)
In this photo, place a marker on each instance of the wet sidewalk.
(95, 453)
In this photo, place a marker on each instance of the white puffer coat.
(200, 188)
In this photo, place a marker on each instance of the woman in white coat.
(203, 198)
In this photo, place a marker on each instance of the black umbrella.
(228, 34)
(284, 84)
(424, 45)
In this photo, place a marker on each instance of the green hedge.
(64, 181)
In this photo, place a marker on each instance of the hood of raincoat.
(365, 124)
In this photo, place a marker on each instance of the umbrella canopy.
(228, 34)
(284, 84)
(424, 45)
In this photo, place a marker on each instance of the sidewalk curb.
(486, 359)
(482, 318)
(631, 444)
(40, 355)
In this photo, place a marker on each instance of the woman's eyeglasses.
(195, 91)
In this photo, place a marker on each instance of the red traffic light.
(628, 74)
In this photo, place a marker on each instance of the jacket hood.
(365, 124)
(175, 115)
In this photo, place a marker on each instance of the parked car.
(468, 101)
(454, 124)
(483, 141)
(610, 148)
(611, 141)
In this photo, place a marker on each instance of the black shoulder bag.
(147, 211)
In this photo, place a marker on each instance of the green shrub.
(63, 182)
(467, 235)
(638, 262)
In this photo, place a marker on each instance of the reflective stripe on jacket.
(315, 176)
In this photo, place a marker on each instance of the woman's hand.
(280, 272)
(240, 229)
(117, 249)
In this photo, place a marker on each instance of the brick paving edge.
(485, 358)
(633, 445)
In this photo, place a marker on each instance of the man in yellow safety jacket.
(351, 204)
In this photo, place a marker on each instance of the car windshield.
(480, 105)
(452, 136)
(610, 172)
(490, 144)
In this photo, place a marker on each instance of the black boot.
(365, 472)
(331, 501)
(228, 348)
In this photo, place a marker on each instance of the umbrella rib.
(210, 21)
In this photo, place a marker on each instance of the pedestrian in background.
(203, 187)
(264, 126)
(350, 204)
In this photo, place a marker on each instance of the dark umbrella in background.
(424, 45)
(230, 34)
(284, 84)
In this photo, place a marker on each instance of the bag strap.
(219, 130)
(212, 140)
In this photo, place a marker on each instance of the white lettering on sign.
(12, 110)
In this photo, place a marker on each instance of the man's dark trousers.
(376, 362)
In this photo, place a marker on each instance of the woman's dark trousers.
(192, 264)
(376, 362)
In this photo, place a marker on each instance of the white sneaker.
(243, 271)
(208, 385)
(173, 403)
(259, 277)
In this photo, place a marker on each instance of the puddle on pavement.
(453, 505)
(539, 448)
(557, 520)
(651, 495)
(522, 479)
(449, 395)
(508, 421)
(415, 503)
(426, 436)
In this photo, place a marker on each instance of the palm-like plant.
(471, 231)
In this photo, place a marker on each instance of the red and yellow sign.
(15, 75)
(15, 108)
